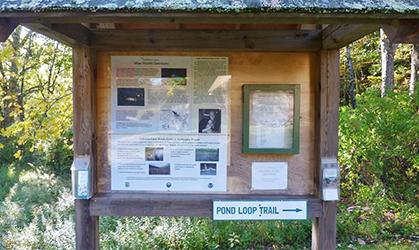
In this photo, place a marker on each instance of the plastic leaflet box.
(331, 179)
(80, 177)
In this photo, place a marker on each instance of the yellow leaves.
(1, 146)
(18, 154)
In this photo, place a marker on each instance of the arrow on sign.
(292, 210)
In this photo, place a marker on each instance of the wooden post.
(87, 227)
(327, 124)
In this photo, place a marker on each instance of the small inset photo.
(177, 76)
(331, 182)
(159, 168)
(130, 96)
(208, 169)
(207, 154)
(154, 154)
(209, 121)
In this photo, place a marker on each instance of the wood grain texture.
(188, 205)
(338, 36)
(188, 17)
(73, 35)
(327, 125)
(6, 29)
(403, 31)
(87, 227)
(245, 68)
(208, 40)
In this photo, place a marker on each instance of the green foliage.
(201, 233)
(378, 154)
(37, 213)
(36, 101)
(366, 59)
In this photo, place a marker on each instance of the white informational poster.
(173, 108)
(169, 162)
(271, 119)
(269, 175)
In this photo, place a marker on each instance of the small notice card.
(269, 175)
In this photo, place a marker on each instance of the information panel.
(169, 123)
(169, 162)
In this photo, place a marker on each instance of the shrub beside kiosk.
(224, 109)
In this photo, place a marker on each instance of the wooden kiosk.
(264, 44)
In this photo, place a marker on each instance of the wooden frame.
(246, 119)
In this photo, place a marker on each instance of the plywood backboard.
(245, 68)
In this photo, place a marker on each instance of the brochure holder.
(331, 179)
(80, 176)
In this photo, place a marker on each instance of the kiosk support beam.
(87, 227)
(327, 124)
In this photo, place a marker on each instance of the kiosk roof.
(285, 6)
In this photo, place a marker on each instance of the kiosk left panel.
(169, 123)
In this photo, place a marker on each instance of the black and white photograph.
(209, 121)
(207, 154)
(208, 169)
(130, 96)
(159, 168)
(154, 154)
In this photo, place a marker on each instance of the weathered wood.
(327, 124)
(324, 228)
(338, 36)
(191, 205)
(205, 17)
(208, 40)
(107, 26)
(87, 226)
(74, 35)
(6, 29)
(403, 31)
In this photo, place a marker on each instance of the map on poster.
(169, 123)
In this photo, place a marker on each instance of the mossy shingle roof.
(304, 6)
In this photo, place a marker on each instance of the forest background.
(378, 155)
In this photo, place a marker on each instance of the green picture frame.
(288, 130)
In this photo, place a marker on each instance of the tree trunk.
(387, 63)
(351, 77)
(12, 84)
(414, 66)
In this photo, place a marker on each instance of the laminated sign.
(169, 123)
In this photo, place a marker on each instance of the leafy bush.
(37, 213)
(201, 233)
(378, 153)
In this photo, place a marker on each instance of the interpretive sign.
(260, 210)
(169, 123)
(271, 119)
(169, 94)
(169, 162)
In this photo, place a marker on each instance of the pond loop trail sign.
(260, 210)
